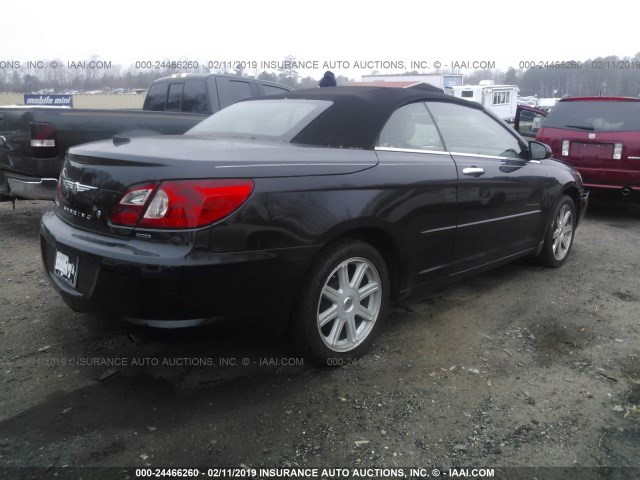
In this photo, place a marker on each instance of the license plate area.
(592, 151)
(66, 268)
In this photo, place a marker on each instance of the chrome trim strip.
(36, 182)
(413, 164)
(298, 165)
(477, 155)
(441, 229)
(433, 230)
(439, 267)
(500, 218)
(410, 150)
(37, 189)
(440, 152)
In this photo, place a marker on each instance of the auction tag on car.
(66, 268)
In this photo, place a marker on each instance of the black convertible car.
(307, 212)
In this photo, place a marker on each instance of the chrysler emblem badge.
(76, 187)
(592, 136)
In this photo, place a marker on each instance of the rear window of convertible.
(595, 116)
(272, 119)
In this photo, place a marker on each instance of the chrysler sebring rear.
(306, 212)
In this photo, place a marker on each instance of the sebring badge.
(592, 136)
(76, 187)
(77, 213)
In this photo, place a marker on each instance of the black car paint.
(431, 223)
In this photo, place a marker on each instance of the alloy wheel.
(562, 232)
(349, 304)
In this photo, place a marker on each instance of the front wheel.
(342, 302)
(559, 236)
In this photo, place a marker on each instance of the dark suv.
(600, 137)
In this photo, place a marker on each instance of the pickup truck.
(34, 140)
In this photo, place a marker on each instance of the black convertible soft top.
(358, 113)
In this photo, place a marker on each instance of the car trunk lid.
(96, 175)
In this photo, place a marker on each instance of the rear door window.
(272, 90)
(231, 90)
(194, 97)
(411, 127)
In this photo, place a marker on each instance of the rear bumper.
(172, 286)
(624, 190)
(31, 188)
(613, 192)
(611, 179)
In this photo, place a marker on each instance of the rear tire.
(559, 237)
(342, 303)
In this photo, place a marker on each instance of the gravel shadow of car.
(24, 220)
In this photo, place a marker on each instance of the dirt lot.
(519, 367)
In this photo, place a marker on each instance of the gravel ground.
(519, 367)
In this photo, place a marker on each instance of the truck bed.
(28, 171)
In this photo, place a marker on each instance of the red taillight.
(43, 135)
(132, 205)
(180, 203)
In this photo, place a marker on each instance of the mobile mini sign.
(48, 100)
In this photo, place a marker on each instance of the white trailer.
(444, 81)
(500, 99)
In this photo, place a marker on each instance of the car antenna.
(120, 140)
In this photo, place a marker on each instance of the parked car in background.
(34, 140)
(307, 211)
(600, 137)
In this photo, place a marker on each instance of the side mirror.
(539, 151)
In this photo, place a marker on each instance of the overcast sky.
(506, 32)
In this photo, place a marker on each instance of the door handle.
(473, 171)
